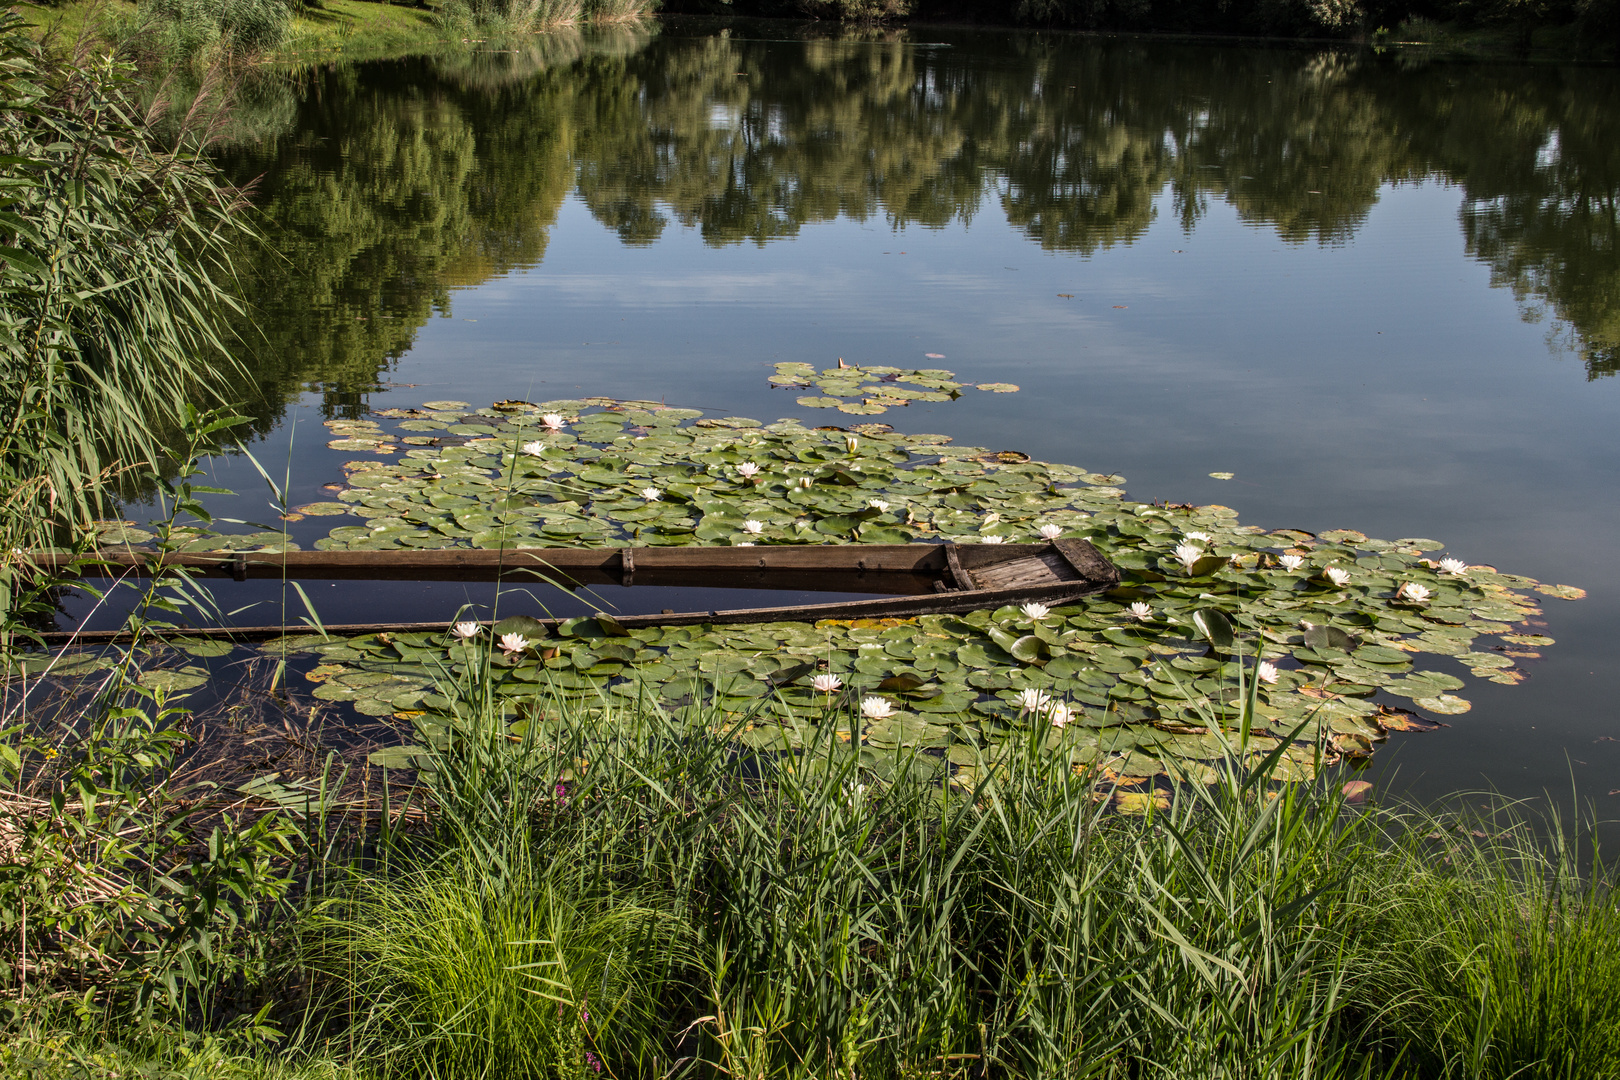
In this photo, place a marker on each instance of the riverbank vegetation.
(196, 33)
(621, 892)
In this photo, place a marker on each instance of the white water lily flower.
(1197, 537)
(1059, 714)
(1413, 593)
(747, 470)
(992, 539)
(534, 449)
(1188, 554)
(1454, 567)
(1291, 562)
(1050, 531)
(513, 643)
(878, 504)
(465, 630)
(651, 494)
(826, 684)
(805, 481)
(754, 527)
(552, 420)
(1032, 700)
(1340, 578)
(743, 543)
(876, 708)
(1266, 672)
(1141, 611)
(1034, 610)
(852, 442)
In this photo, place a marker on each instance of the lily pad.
(172, 680)
(1445, 704)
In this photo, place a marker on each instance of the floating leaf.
(999, 387)
(1140, 802)
(1216, 628)
(324, 509)
(1445, 704)
(1030, 649)
(1401, 720)
(397, 757)
(1325, 638)
(173, 681)
(1221, 475)
(1562, 592)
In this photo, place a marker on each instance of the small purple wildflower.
(591, 1060)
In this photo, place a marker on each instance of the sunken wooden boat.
(903, 580)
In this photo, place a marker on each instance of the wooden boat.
(904, 580)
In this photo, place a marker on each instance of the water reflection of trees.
(398, 183)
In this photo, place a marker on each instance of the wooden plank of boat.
(929, 578)
(596, 566)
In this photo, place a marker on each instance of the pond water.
(1382, 291)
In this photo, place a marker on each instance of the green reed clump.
(188, 28)
(525, 16)
(114, 266)
(629, 886)
(828, 912)
(1487, 953)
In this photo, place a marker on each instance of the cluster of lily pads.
(874, 388)
(1129, 680)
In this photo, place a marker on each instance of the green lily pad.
(1216, 628)
(173, 681)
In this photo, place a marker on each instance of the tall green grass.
(114, 277)
(1487, 952)
(829, 913)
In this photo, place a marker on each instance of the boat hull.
(909, 579)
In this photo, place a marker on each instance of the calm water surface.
(1383, 292)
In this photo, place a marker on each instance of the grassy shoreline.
(617, 889)
(369, 30)
(337, 29)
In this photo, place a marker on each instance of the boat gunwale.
(951, 563)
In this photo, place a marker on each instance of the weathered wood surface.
(477, 564)
(920, 579)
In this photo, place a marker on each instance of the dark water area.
(1382, 291)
